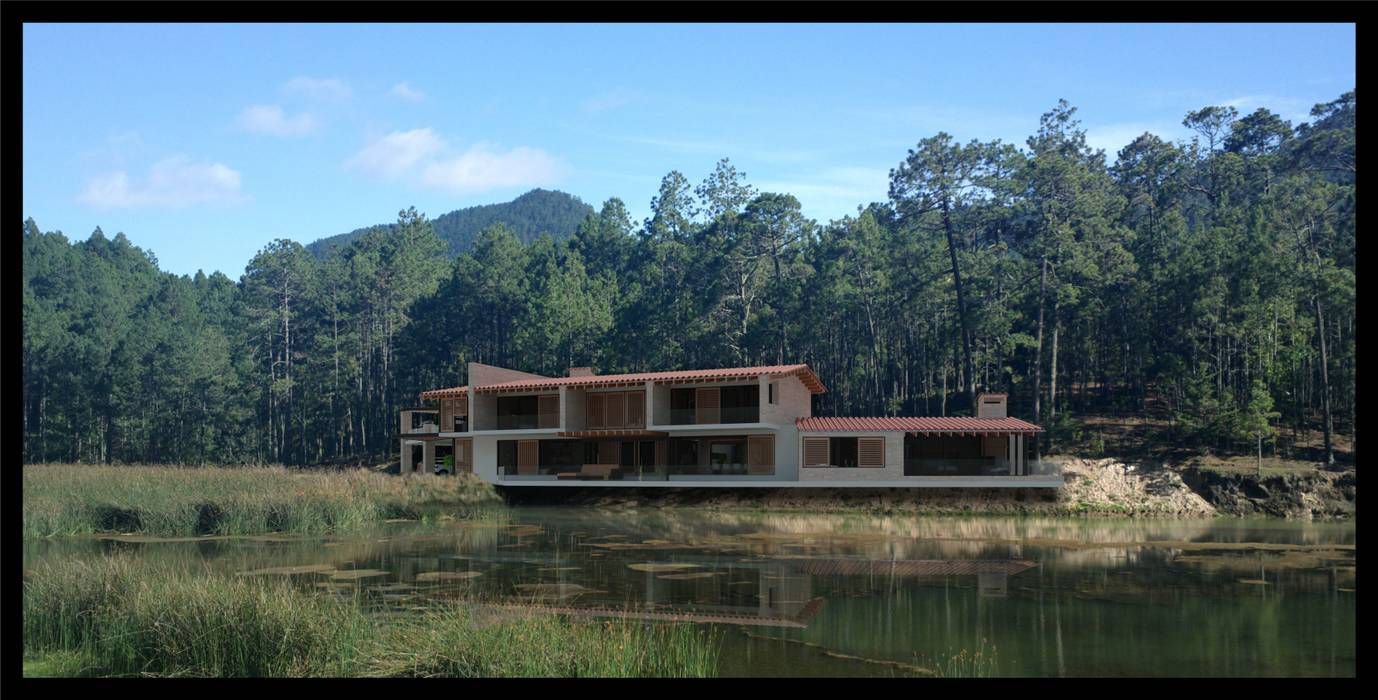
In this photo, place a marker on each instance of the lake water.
(861, 595)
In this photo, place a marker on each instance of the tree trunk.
(1325, 383)
(1038, 359)
(961, 307)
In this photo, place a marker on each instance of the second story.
(500, 400)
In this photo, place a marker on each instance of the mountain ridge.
(531, 214)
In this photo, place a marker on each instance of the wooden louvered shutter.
(593, 411)
(636, 409)
(614, 410)
(528, 456)
(707, 406)
(548, 407)
(760, 454)
(464, 455)
(870, 452)
(816, 452)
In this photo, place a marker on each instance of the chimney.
(991, 405)
(581, 372)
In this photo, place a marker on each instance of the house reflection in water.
(774, 593)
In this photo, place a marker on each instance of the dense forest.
(530, 216)
(1210, 283)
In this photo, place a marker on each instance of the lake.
(858, 595)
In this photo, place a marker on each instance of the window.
(870, 452)
(727, 456)
(507, 456)
(843, 452)
(772, 393)
(816, 452)
(682, 406)
(684, 453)
(741, 404)
(560, 455)
(518, 412)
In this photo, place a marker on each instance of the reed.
(121, 615)
(65, 499)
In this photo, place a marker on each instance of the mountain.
(530, 215)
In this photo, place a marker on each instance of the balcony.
(420, 421)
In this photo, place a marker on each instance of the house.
(733, 426)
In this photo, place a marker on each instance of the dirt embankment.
(1314, 495)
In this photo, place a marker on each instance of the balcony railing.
(528, 421)
(744, 414)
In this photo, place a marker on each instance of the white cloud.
(405, 91)
(425, 159)
(270, 119)
(395, 154)
(172, 182)
(485, 167)
(318, 88)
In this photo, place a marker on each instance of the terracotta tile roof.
(683, 376)
(440, 393)
(917, 425)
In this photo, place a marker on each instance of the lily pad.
(655, 568)
(291, 570)
(354, 574)
(561, 590)
(690, 576)
(448, 575)
(1254, 581)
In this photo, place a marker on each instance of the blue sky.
(204, 142)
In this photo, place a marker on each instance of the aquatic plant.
(157, 500)
(119, 615)
(981, 662)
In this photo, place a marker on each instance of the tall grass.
(181, 501)
(122, 615)
(981, 662)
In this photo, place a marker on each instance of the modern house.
(734, 426)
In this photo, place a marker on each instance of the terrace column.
(427, 456)
(1012, 453)
(564, 399)
(650, 404)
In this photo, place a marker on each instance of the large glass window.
(682, 406)
(727, 456)
(518, 412)
(684, 455)
(561, 456)
(741, 404)
(507, 456)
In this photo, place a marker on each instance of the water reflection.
(860, 595)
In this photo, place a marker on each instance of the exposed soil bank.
(1316, 495)
(1093, 487)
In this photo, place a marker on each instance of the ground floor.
(732, 458)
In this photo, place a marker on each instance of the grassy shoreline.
(124, 616)
(69, 499)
